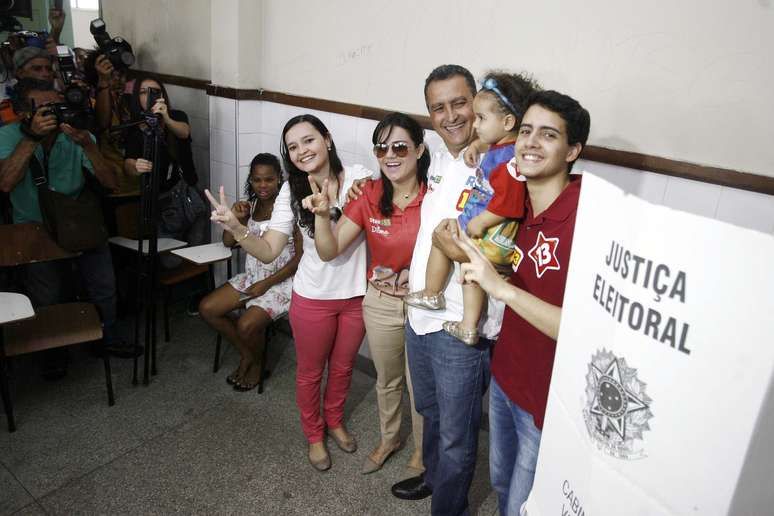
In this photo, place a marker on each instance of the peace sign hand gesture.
(318, 203)
(479, 269)
(221, 214)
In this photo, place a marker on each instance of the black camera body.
(78, 116)
(117, 49)
(66, 64)
(28, 38)
(75, 96)
(154, 94)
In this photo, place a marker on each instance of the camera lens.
(127, 58)
(75, 96)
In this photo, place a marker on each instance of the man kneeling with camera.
(42, 144)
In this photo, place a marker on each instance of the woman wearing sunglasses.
(388, 213)
(326, 304)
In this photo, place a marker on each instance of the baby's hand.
(471, 156)
(475, 228)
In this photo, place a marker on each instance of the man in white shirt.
(449, 376)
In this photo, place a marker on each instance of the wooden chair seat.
(53, 327)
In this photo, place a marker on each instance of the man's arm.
(56, 18)
(540, 314)
(104, 104)
(104, 173)
(13, 168)
(444, 239)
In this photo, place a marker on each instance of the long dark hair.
(298, 179)
(269, 160)
(382, 133)
(136, 109)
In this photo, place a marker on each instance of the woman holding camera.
(175, 163)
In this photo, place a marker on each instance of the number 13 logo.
(543, 254)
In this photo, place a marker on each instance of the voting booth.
(660, 399)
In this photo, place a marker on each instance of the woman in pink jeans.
(325, 310)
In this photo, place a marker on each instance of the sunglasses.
(400, 149)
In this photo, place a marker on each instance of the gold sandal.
(420, 299)
(455, 329)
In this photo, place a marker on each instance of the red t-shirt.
(390, 240)
(509, 193)
(524, 356)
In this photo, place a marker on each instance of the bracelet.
(245, 235)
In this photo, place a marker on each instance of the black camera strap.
(39, 174)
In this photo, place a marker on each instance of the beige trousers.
(385, 322)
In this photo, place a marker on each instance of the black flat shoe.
(413, 488)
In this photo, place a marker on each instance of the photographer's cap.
(24, 55)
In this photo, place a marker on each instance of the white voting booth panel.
(658, 400)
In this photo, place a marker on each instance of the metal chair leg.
(265, 372)
(167, 296)
(216, 363)
(108, 376)
(7, 404)
(4, 390)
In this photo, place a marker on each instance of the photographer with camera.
(29, 63)
(67, 156)
(181, 206)
(112, 109)
(33, 63)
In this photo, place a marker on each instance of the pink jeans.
(325, 331)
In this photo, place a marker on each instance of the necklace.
(412, 192)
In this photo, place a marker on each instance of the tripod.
(147, 228)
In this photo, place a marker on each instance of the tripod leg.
(154, 308)
(148, 322)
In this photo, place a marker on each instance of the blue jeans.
(514, 441)
(449, 379)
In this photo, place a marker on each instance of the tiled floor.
(188, 444)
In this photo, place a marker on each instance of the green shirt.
(65, 175)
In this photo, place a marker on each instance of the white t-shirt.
(341, 278)
(449, 182)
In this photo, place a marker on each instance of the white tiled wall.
(739, 207)
(194, 103)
